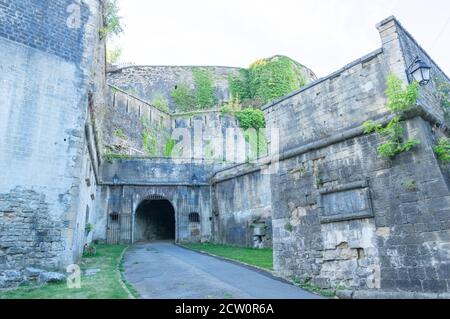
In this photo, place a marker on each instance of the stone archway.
(155, 220)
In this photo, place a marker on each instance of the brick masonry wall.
(43, 25)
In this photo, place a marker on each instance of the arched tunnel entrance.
(155, 220)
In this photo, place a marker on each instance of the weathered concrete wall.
(243, 211)
(45, 74)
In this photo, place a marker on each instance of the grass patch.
(328, 293)
(257, 257)
(103, 285)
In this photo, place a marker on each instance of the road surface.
(163, 270)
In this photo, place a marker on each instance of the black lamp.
(115, 179)
(419, 71)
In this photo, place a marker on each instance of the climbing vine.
(149, 143)
(239, 85)
(168, 149)
(252, 121)
(399, 99)
(201, 97)
(270, 79)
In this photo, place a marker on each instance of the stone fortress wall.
(47, 184)
(336, 213)
(400, 239)
(150, 82)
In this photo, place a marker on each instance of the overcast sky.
(321, 34)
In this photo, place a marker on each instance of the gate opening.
(155, 220)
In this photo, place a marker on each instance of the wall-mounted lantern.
(419, 71)
(115, 179)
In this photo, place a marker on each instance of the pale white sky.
(321, 34)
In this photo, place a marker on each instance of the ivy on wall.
(252, 121)
(239, 85)
(266, 80)
(204, 88)
(270, 79)
(399, 99)
(201, 97)
(149, 142)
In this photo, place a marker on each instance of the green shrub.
(184, 97)
(113, 55)
(251, 118)
(111, 20)
(160, 102)
(89, 227)
(204, 88)
(274, 78)
(239, 86)
(442, 150)
(399, 99)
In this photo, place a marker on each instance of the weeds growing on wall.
(160, 102)
(149, 143)
(110, 156)
(168, 149)
(120, 133)
(201, 97)
(442, 150)
(443, 92)
(184, 98)
(399, 99)
(252, 121)
(239, 85)
(113, 54)
(204, 88)
(111, 20)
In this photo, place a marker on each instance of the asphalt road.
(165, 271)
